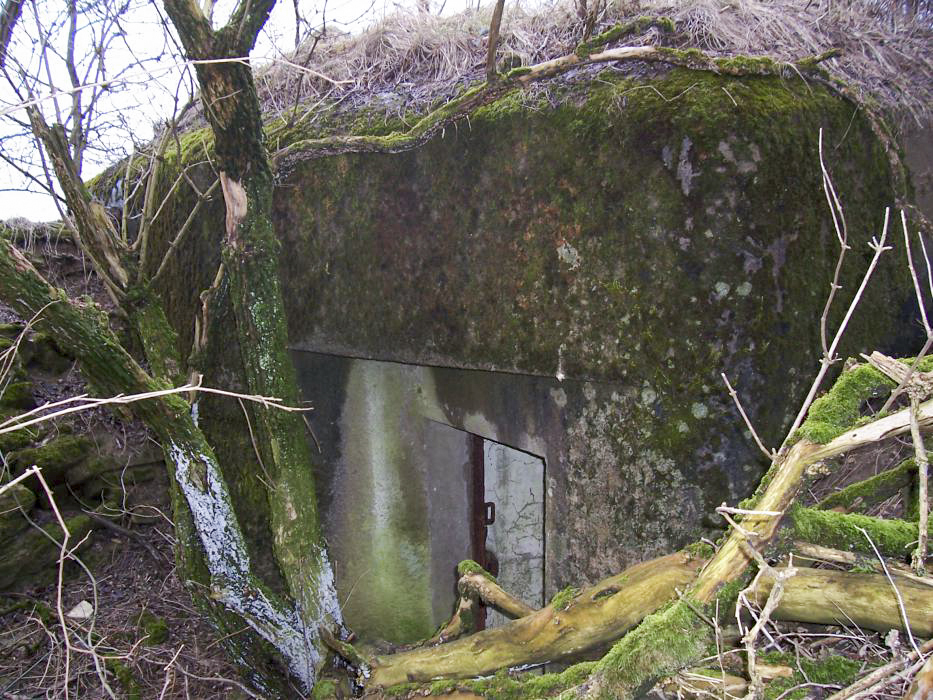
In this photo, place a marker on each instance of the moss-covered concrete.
(637, 235)
(383, 543)
(645, 235)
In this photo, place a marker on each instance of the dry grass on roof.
(416, 56)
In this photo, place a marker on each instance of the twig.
(135, 536)
(842, 234)
(168, 670)
(252, 438)
(920, 454)
(770, 454)
(922, 306)
(882, 675)
(829, 357)
(219, 679)
(15, 423)
(897, 593)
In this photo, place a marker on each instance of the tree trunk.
(250, 258)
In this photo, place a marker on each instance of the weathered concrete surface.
(632, 245)
(633, 236)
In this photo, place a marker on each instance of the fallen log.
(846, 531)
(676, 637)
(596, 616)
(869, 601)
(602, 613)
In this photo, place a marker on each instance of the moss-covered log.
(594, 617)
(893, 538)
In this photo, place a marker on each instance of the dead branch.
(881, 676)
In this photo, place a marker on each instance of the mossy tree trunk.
(250, 261)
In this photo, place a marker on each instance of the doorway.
(507, 507)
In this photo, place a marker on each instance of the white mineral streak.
(229, 565)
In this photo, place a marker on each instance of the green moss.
(840, 409)
(503, 686)
(54, 458)
(832, 670)
(11, 501)
(18, 439)
(468, 566)
(564, 598)
(17, 395)
(160, 341)
(874, 490)
(700, 550)
(728, 595)
(152, 627)
(324, 689)
(893, 538)
(662, 644)
(747, 64)
(516, 72)
(31, 558)
(619, 31)
(127, 679)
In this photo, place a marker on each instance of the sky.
(139, 96)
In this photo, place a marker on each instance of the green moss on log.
(501, 686)
(619, 31)
(662, 644)
(564, 598)
(864, 494)
(841, 408)
(833, 670)
(468, 566)
(893, 538)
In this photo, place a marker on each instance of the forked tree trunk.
(250, 260)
